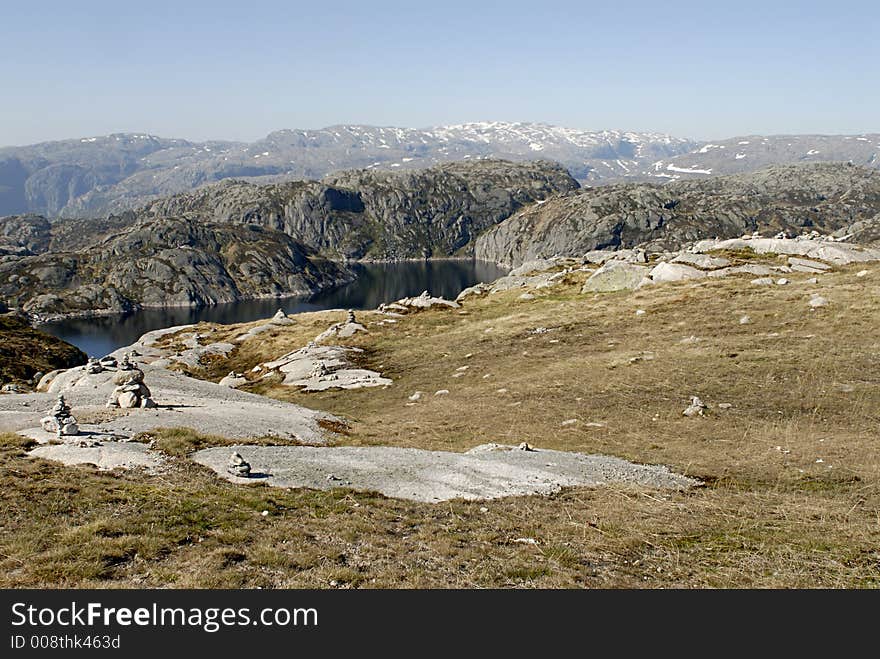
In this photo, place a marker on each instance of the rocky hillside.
(379, 215)
(25, 352)
(166, 262)
(94, 176)
(237, 240)
(826, 197)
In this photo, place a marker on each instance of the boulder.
(669, 272)
(127, 400)
(616, 276)
(233, 380)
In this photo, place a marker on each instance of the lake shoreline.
(98, 331)
(40, 320)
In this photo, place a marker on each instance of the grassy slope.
(804, 388)
(24, 351)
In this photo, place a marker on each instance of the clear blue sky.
(238, 70)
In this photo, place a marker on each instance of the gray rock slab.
(703, 261)
(183, 402)
(486, 472)
(109, 455)
(824, 250)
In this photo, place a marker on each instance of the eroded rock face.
(380, 215)
(167, 262)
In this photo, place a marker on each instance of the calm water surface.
(376, 283)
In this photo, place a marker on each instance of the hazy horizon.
(315, 128)
(220, 71)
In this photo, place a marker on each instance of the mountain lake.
(376, 283)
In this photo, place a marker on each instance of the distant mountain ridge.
(95, 176)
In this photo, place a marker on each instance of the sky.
(239, 70)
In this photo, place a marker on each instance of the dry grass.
(791, 469)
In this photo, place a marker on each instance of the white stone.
(695, 408)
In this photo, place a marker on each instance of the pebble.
(441, 392)
(861, 273)
(745, 320)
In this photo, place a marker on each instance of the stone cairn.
(108, 362)
(94, 367)
(238, 466)
(130, 391)
(60, 420)
(351, 318)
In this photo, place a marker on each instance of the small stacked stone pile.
(60, 420)
(238, 466)
(131, 391)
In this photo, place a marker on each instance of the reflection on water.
(376, 283)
